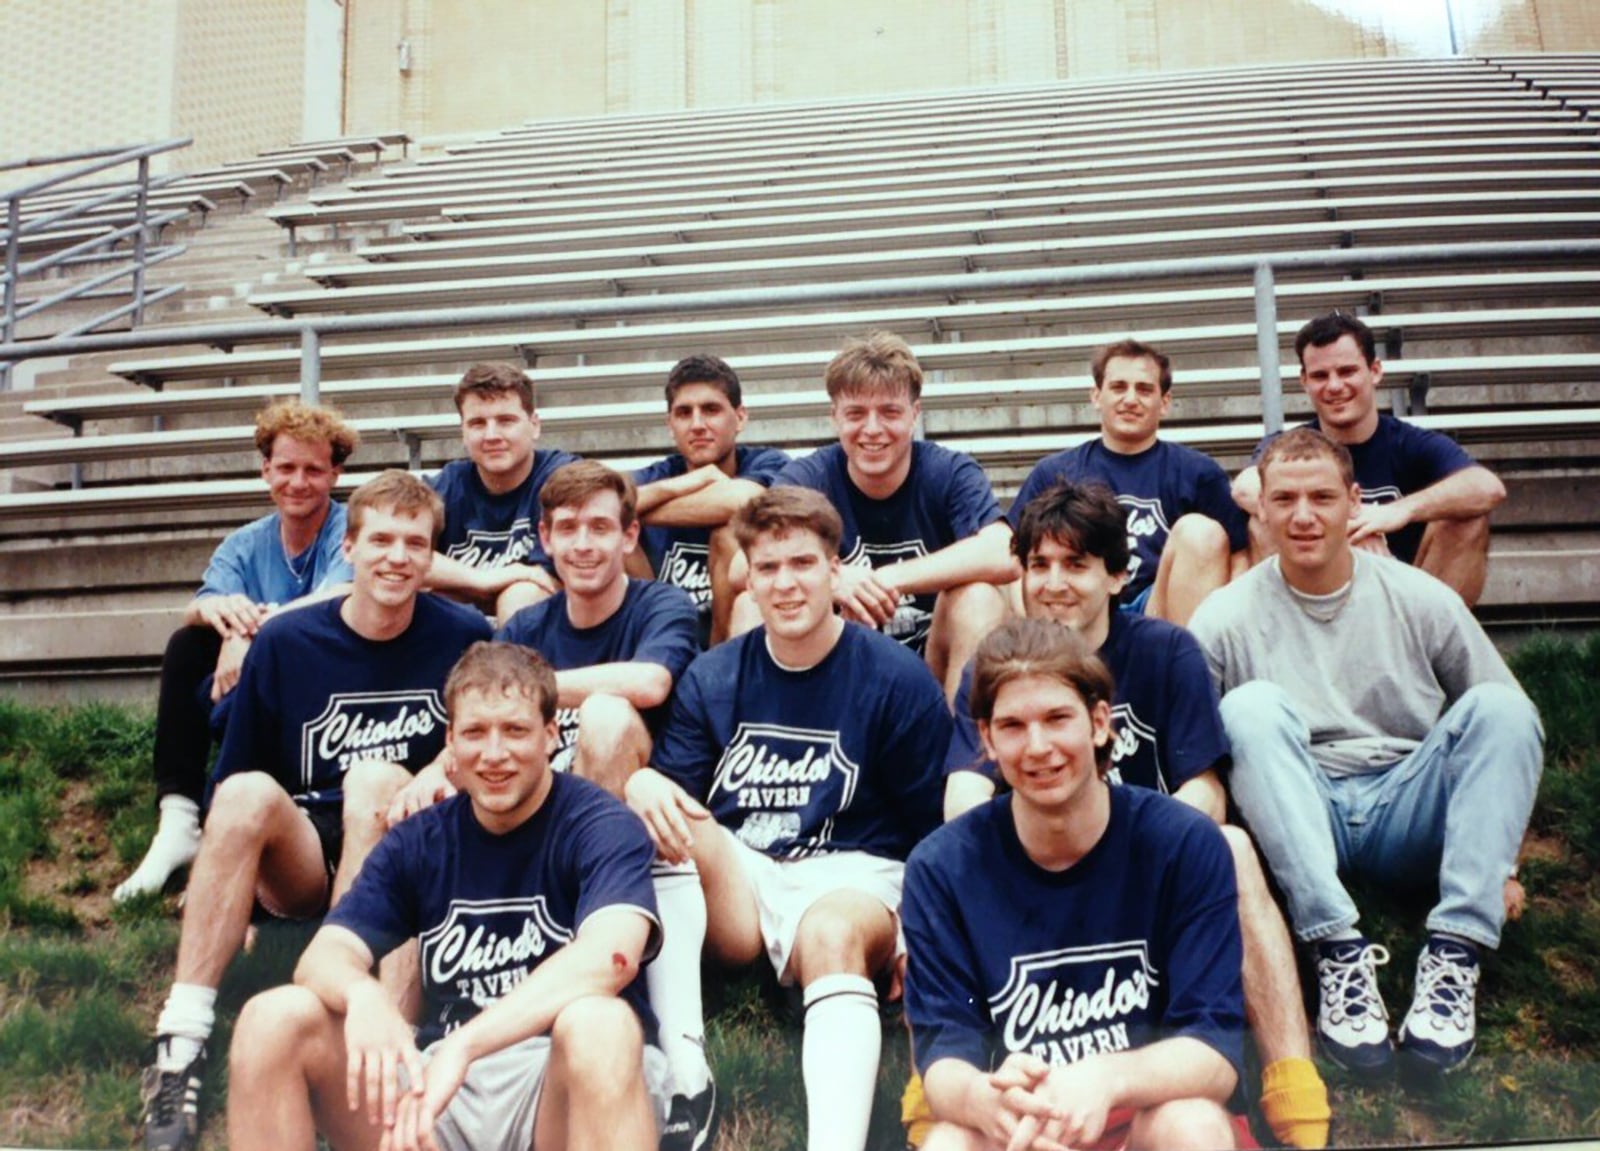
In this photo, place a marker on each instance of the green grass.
(81, 982)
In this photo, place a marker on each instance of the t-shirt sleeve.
(1044, 473)
(612, 855)
(966, 748)
(1205, 999)
(764, 464)
(969, 498)
(653, 473)
(670, 631)
(805, 472)
(687, 751)
(944, 1002)
(335, 568)
(1207, 627)
(1194, 737)
(380, 907)
(918, 747)
(1214, 498)
(1427, 456)
(1462, 654)
(229, 571)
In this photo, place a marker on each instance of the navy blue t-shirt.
(843, 756)
(1165, 723)
(1396, 460)
(655, 624)
(1136, 942)
(483, 529)
(1156, 486)
(488, 909)
(945, 498)
(678, 555)
(315, 697)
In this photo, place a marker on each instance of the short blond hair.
(877, 362)
(399, 492)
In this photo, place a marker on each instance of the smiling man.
(529, 894)
(798, 767)
(687, 498)
(1115, 1019)
(1167, 736)
(287, 556)
(490, 551)
(337, 705)
(1423, 499)
(1184, 530)
(923, 545)
(1376, 731)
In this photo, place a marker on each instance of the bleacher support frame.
(1263, 267)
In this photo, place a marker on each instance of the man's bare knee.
(599, 1042)
(519, 595)
(1199, 537)
(1183, 1125)
(953, 1137)
(612, 743)
(369, 786)
(241, 807)
(845, 933)
(274, 1029)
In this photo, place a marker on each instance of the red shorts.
(1119, 1125)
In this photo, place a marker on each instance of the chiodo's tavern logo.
(484, 948)
(1063, 1005)
(911, 622)
(1147, 529)
(1130, 735)
(684, 566)
(483, 549)
(359, 726)
(789, 783)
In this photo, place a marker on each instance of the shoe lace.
(1446, 986)
(167, 1097)
(1350, 983)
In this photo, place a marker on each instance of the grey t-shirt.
(1370, 669)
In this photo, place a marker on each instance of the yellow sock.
(1295, 1103)
(914, 1113)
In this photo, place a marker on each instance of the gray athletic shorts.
(495, 1108)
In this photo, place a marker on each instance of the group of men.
(525, 835)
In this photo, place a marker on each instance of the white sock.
(839, 1061)
(185, 1024)
(176, 842)
(673, 976)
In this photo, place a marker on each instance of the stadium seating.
(131, 464)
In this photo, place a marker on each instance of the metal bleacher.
(125, 467)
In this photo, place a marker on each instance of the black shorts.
(327, 820)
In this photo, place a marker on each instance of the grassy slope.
(80, 984)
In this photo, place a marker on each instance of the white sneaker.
(1352, 1025)
(1441, 1030)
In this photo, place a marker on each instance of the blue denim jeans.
(1456, 807)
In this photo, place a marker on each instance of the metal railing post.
(310, 365)
(8, 318)
(141, 215)
(1267, 349)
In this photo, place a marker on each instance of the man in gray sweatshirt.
(1377, 732)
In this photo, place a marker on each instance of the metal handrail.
(1263, 266)
(89, 162)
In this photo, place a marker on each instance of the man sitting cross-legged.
(530, 897)
(686, 499)
(1072, 975)
(1184, 530)
(799, 765)
(292, 554)
(1375, 731)
(1423, 499)
(337, 704)
(1167, 736)
(923, 545)
(490, 549)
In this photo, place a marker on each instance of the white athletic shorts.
(495, 1108)
(785, 889)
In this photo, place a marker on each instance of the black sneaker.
(692, 1121)
(172, 1105)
